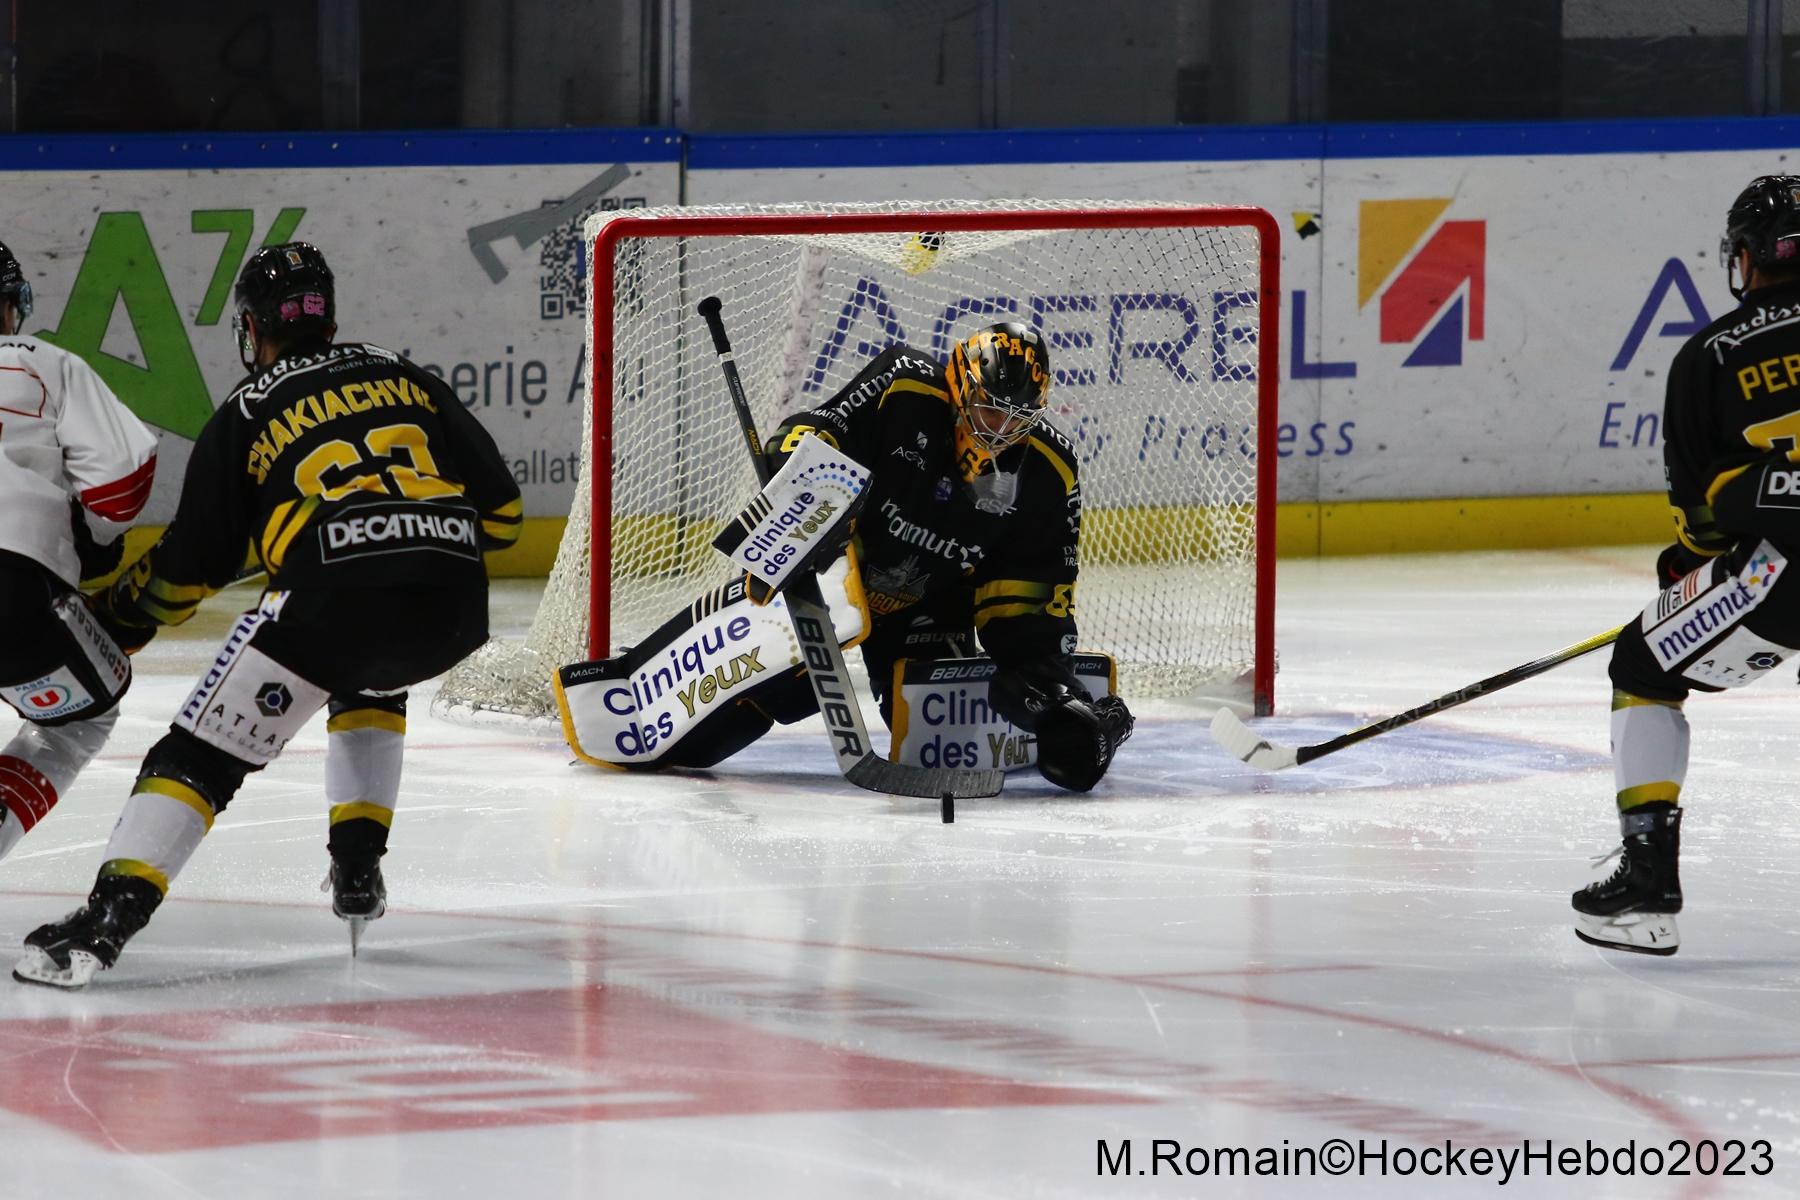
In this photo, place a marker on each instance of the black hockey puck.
(949, 807)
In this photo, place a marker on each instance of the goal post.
(1161, 323)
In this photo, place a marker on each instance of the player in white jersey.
(75, 468)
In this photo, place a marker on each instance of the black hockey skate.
(70, 952)
(1635, 908)
(358, 894)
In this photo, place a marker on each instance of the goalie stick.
(825, 666)
(1241, 740)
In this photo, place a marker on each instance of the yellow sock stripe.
(1627, 700)
(366, 718)
(1648, 793)
(176, 790)
(362, 810)
(1023, 589)
(137, 870)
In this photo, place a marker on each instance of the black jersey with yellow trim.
(1732, 406)
(926, 545)
(348, 440)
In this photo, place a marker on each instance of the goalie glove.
(1076, 736)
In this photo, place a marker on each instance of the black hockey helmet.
(997, 379)
(13, 284)
(286, 290)
(1765, 220)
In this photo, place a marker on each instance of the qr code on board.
(562, 279)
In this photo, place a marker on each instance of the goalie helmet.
(997, 380)
(284, 291)
(1765, 220)
(13, 286)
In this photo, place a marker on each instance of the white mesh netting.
(1153, 333)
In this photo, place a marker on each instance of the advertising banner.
(1460, 317)
(442, 248)
(1467, 312)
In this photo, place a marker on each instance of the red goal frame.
(1268, 360)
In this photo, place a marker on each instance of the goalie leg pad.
(967, 712)
(706, 684)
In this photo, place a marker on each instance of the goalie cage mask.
(1765, 220)
(998, 378)
(285, 290)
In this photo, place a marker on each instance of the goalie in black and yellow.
(965, 545)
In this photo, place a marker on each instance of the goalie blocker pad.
(794, 523)
(631, 712)
(943, 718)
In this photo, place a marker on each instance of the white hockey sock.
(39, 764)
(161, 827)
(363, 754)
(1650, 750)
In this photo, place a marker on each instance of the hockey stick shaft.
(1463, 695)
(1236, 737)
(824, 658)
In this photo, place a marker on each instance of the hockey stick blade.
(1237, 738)
(903, 779)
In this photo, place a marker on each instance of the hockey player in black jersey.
(968, 536)
(1729, 611)
(368, 493)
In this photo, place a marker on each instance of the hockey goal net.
(1164, 358)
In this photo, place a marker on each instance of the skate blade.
(38, 967)
(1638, 933)
(357, 924)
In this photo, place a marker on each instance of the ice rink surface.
(758, 982)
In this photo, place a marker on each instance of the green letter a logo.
(168, 390)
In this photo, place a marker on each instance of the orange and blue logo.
(1427, 275)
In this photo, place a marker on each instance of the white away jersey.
(63, 433)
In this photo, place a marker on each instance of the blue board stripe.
(1215, 143)
(226, 151)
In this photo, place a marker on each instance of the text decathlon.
(1705, 620)
(695, 657)
(400, 526)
